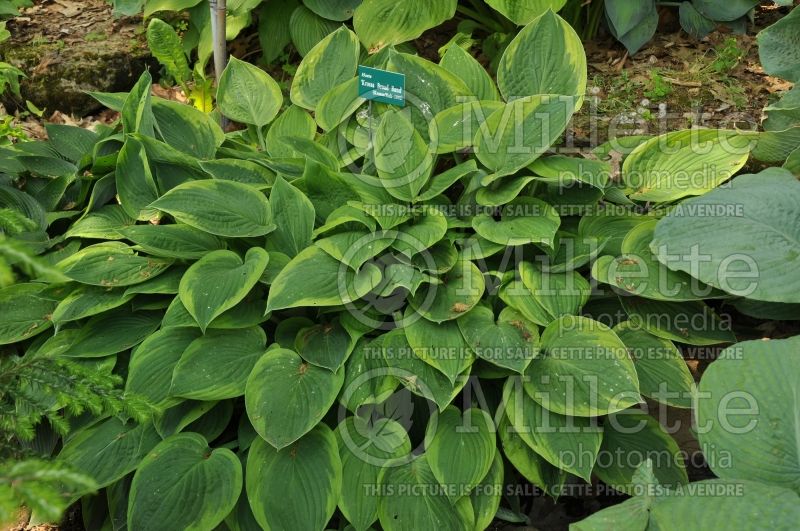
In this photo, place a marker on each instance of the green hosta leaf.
(135, 185)
(663, 374)
(223, 208)
(216, 366)
(402, 158)
(332, 61)
(458, 293)
(522, 12)
(338, 10)
(295, 487)
(313, 278)
(173, 241)
(188, 130)
(380, 23)
(638, 271)
(109, 450)
(414, 505)
(569, 443)
(693, 22)
(609, 227)
(273, 27)
(85, 301)
(367, 376)
(179, 417)
(693, 323)
(307, 29)
(137, 110)
(709, 504)
(454, 128)
(460, 63)
(242, 171)
(247, 94)
(442, 181)
(752, 412)
(630, 515)
(439, 345)
(510, 342)
(286, 397)
(419, 234)
(551, 295)
(530, 464)
(165, 284)
(294, 218)
(219, 281)
(641, 17)
(745, 234)
(338, 104)
(113, 332)
(167, 48)
(631, 437)
(325, 345)
(104, 223)
(454, 435)
(151, 365)
(584, 370)
(524, 220)
(518, 133)
(25, 312)
(294, 122)
(71, 142)
(354, 248)
(683, 163)
(416, 375)
(111, 264)
(546, 57)
(364, 447)
(185, 484)
(487, 495)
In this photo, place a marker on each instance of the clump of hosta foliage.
(370, 318)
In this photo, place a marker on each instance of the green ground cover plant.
(356, 314)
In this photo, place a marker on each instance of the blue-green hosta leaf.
(709, 504)
(637, 271)
(520, 132)
(683, 163)
(414, 505)
(112, 332)
(452, 436)
(222, 208)
(173, 241)
(693, 22)
(745, 234)
(637, 22)
(151, 365)
(295, 487)
(524, 220)
(294, 218)
(402, 157)
(380, 23)
(111, 264)
(286, 397)
(364, 447)
(307, 29)
(584, 370)
(109, 450)
(725, 11)
(692, 322)
(216, 366)
(631, 437)
(751, 412)
(314, 278)
(510, 341)
(247, 94)
(569, 443)
(25, 312)
(521, 12)
(135, 185)
(546, 57)
(332, 61)
(184, 484)
(459, 62)
(458, 293)
(630, 515)
(219, 281)
(663, 374)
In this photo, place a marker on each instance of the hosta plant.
(354, 314)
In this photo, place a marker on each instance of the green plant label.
(382, 86)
